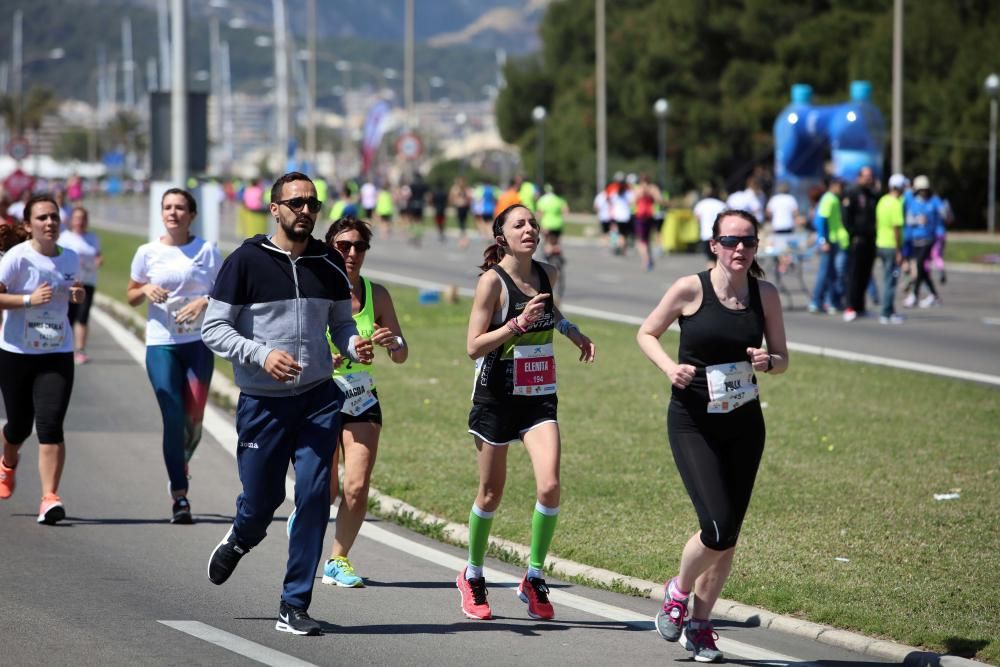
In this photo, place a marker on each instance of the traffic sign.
(409, 146)
(18, 148)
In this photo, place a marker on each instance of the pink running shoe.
(534, 591)
(473, 591)
(7, 481)
(51, 511)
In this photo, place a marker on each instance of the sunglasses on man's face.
(345, 246)
(733, 241)
(296, 203)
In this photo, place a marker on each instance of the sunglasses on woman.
(733, 241)
(345, 246)
(296, 203)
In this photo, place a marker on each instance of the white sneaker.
(928, 301)
(910, 301)
(892, 319)
(850, 315)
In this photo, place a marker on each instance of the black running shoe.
(225, 558)
(182, 511)
(296, 621)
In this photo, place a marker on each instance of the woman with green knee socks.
(514, 397)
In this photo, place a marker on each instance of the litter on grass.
(947, 496)
(841, 559)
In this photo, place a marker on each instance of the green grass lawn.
(969, 251)
(854, 455)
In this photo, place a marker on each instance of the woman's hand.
(42, 295)
(759, 358)
(533, 310)
(155, 293)
(588, 351)
(77, 293)
(384, 337)
(192, 311)
(681, 375)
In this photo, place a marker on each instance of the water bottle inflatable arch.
(852, 134)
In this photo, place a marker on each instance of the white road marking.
(220, 427)
(236, 644)
(992, 320)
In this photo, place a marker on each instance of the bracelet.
(27, 301)
(565, 326)
(515, 327)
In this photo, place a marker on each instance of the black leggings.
(717, 456)
(923, 275)
(36, 388)
(80, 312)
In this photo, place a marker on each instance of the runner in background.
(514, 397)
(38, 281)
(361, 416)
(176, 273)
(88, 247)
(385, 210)
(552, 212)
(647, 198)
(460, 198)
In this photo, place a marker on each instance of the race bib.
(534, 370)
(174, 305)
(357, 388)
(730, 386)
(44, 329)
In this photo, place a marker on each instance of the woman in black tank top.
(714, 422)
(514, 397)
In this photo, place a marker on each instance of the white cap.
(897, 182)
(921, 182)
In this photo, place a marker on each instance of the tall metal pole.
(162, 28)
(661, 156)
(897, 86)
(408, 65)
(178, 95)
(541, 154)
(602, 99)
(227, 107)
(281, 83)
(128, 63)
(17, 63)
(311, 102)
(991, 208)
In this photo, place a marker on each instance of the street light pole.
(660, 108)
(178, 96)
(992, 85)
(538, 115)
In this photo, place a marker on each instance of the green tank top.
(364, 319)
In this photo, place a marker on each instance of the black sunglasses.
(345, 246)
(733, 241)
(296, 203)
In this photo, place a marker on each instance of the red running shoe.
(473, 591)
(7, 481)
(534, 591)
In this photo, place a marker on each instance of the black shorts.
(36, 390)
(372, 415)
(80, 312)
(502, 423)
(605, 227)
(368, 213)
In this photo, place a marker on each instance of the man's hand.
(282, 366)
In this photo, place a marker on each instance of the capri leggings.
(180, 375)
(717, 456)
(36, 389)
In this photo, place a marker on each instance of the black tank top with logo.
(495, 370)
(715, 334)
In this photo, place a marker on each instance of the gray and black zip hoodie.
(264, 300)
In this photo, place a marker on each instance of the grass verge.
(854, 457)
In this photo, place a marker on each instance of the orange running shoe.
(534, 591)
(473, 591)
(7, 481)
(51, 511)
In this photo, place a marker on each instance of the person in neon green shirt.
(889, 220)
(552, 210)
(831, 241)
(384, 210)
(361, 416)
(527, 192)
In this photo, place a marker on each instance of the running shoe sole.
(52, 516)
(330, 581)
(284, 627)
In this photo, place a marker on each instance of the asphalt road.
(960, 336)
(116, 584)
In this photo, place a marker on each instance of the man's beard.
(294, 234)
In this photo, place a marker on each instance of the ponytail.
(492, 255)
(755, 270)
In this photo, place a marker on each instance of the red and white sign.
(18, 182)
(409, 146)
(18, 148)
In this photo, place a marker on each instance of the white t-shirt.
(746, 200)
(601, 205)
(707, 210)
(88, 247)
(43, 329)
(783, 208)
(621, 206)
(187, 272)
(369, 194)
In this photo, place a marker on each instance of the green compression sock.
(480, 522)
(543, 527)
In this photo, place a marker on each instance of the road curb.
(225, 393)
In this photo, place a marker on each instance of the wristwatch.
(400, 344)
(770, 364)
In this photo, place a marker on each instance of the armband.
(564, 326)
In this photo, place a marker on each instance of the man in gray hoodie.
(271, 306)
